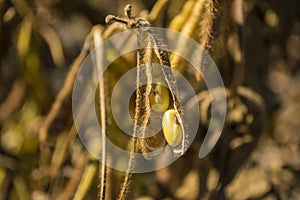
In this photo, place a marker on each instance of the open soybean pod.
(159, 98)
(153, 146)
(164, 59)
(155, 142)
(172, 128)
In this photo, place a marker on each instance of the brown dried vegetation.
(256, 46)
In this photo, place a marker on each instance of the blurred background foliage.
(256, 46)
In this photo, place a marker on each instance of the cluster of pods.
(171, 127)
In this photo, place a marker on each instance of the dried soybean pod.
(163, 56)
(153, 146)
(179, 20)
(142, 109)
(159, 98)
(171, 127)
(154, 142)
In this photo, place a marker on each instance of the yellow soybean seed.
(171, 128)
(159, 98)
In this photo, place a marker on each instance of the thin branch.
(125, 185)
(54, 44)
(99, 57)
(64, 92)
(13, 100)
(86, 180)
(61, 150)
